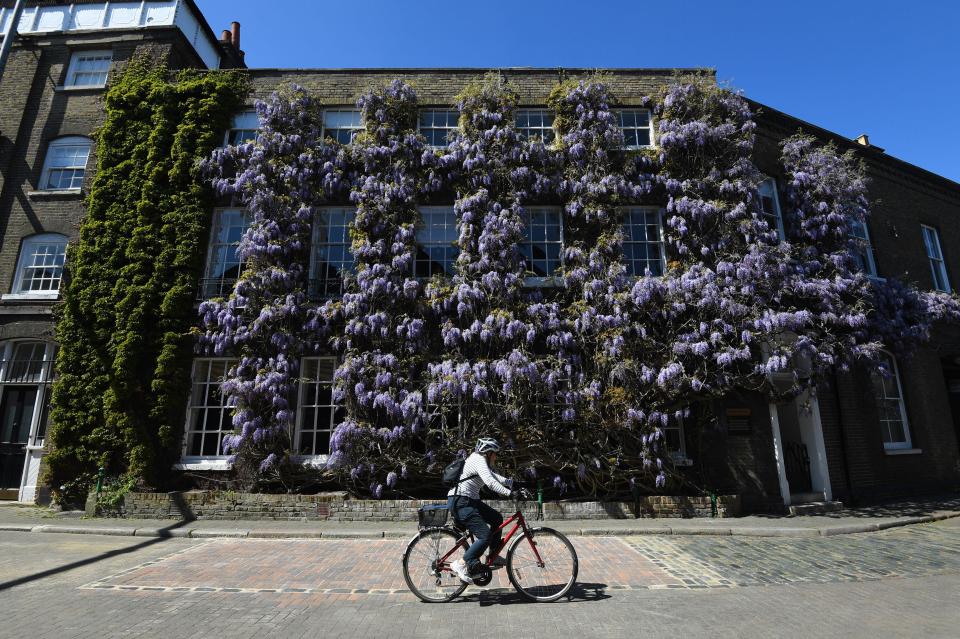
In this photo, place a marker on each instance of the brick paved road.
(902, 582)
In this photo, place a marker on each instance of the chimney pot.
(863, 139)
(235, 29)
(226, 36)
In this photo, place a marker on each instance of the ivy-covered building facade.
(371, 216)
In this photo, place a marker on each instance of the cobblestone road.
(899, 583)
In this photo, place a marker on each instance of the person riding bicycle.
(464, 504)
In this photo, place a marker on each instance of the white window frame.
(303, 387)
(679, 456)
(549, 279)
(938, 265)
(319, 286)
(528, 131)
(205, 462)
(866, 245)
(26, 248)
(207, 290)
(422, 127)
(35, 439)
(619, 113)
(425, 239)
(880, 396)
(771, 183)
(48, 162)
(661, 243)
(354, 128)
(245, 126)
(77, 58)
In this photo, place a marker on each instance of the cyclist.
(464, 503)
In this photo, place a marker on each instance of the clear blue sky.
(889, 69)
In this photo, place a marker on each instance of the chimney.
(235, 36)
(226, 36)
(863, 139)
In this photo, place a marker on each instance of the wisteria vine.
(583, 377)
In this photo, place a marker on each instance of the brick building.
(858, 439)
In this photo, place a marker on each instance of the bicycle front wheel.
(427, 577)
(542, 564)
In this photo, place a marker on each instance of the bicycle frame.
(518, 521)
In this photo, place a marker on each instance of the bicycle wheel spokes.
(425, 576)
(549, 577)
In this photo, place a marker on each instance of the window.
(210, 418)
(437, 248)
(223, 264)
(40, 266)
(673, 441)
(892, 411)
(243, 128)
(938, 268)
(635, 125)
(317, 415)
(26, 371)
(543, 239)
(89, 69)
(331, 256)
(341, 124)
(642, 242)
(770, 206)
(65, 164)
(438, 126)
(535, 123)
(862, 250)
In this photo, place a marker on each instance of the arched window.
(66, 163)
(40, 267)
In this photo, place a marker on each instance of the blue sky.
(888, 69)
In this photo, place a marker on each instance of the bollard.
(540, 500)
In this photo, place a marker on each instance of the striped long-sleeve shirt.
(479, 474)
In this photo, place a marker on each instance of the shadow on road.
(507, 596)
(163, 535)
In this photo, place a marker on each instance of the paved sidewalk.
(854, 520)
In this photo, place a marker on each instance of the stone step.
(805, 498)
(815, 508)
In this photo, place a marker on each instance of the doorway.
(800, 452)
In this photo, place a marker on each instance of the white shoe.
(460, 567)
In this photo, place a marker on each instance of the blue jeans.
(480, 519)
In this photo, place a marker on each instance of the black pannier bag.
(432, 515)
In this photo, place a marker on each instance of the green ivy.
(123, 368)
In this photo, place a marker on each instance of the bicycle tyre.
(517, 578)
(432, 540)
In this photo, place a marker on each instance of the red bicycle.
(541, 563)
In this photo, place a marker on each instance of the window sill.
(312, 461)
(902, 451)
(79, 89)
(212, 463)
(543, 282)
(30, 297)
(56, 194)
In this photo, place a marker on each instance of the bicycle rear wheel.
(552, 575)
(425, 576)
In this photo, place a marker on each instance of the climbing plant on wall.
(123, 367)
(581, 378)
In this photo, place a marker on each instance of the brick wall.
(336, 507)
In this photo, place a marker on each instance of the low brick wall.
(336, 507)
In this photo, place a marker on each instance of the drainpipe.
(11, 36)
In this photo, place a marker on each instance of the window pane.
(41, 264)
(89, 69)
(635, 126)
(438, 126)
(436, 241)
(316, 410)
(642, 248)
(224, 265)
(891, 411)
(209, 416)
(331, 258)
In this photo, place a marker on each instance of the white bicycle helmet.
(487, 445)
